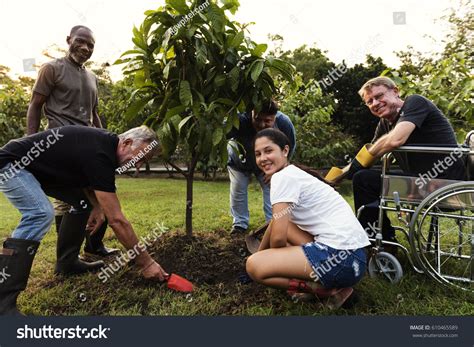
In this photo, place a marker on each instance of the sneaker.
(236, 230)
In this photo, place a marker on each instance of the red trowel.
(179, 283)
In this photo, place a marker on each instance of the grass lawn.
(213, 260)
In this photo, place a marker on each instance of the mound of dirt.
(216, 260)
(204, 258)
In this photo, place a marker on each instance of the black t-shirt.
(432, 129)
(71, 156)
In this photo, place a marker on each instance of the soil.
(216, 260)
(203, 259)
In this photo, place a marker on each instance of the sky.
(345, 29)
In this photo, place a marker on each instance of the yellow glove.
(364, 157)
(334, 174)
(362, 160)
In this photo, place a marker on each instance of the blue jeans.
(25, 193)
(239, 208)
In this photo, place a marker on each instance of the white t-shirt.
(317, 208)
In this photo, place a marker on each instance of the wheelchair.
(437, 221)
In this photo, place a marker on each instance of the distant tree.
(445, 77)
(114, 102)
(14, 99)
(311, 62)
(351, 113)
(320, 143)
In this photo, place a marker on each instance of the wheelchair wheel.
(441, 235)
(385, 265)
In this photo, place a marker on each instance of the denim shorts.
(333, 267)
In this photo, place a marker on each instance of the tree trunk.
(189, 195)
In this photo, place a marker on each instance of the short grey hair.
(377, 81)
(139, 135)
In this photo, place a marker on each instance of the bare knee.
(252, 267)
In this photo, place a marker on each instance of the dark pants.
(367, 187)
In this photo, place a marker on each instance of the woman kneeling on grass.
(314, 243)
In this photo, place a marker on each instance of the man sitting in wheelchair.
(413, 121)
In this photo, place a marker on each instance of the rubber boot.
(58, 220)
(16, 259)
(95, 246)
(70, 238)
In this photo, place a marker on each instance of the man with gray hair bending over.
(51, 163)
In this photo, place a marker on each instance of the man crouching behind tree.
(35, 167)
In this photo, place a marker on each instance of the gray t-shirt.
(71, 93)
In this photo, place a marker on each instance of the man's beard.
(78, 58)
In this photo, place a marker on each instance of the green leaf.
(219, 80)
(138, 39)
(166, 70)
(235, 121)
(149, 12)
(170, 53)
(121, 61)
(185, 95)
(201, 54)
(231, 5)
(217, 136)
(136, 106)
(223, 152)
(237, 40)
(225, 101)
(259, 50)
(216, 16)
(286, 70)
(178, 5)
(175, 110)
(234, 78)
(183, 122)
(436, 83)
(139, 79)
(256, 70)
